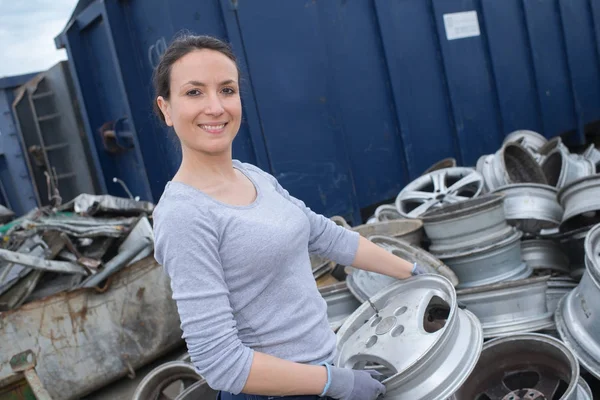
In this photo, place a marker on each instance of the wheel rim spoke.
(439, 181)
(464, 182)
(420, 210)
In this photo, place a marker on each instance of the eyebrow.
(198, 83)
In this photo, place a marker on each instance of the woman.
(236, 247)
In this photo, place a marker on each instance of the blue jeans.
(241, 396)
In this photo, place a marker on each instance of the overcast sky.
(27, 31)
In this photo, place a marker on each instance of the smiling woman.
(236, 246)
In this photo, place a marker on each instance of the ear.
(165, 108)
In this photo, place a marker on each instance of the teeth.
(212, 127)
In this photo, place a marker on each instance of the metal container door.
(99, 81)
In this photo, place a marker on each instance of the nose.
(214, 106)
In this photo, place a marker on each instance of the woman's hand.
(349, 384)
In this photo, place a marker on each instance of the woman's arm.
(371, 257)
(272, 376)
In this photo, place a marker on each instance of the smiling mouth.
(212, 128)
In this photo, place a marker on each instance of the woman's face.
(204, 106)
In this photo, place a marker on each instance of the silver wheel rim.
(501, 261)
(558, 287)
(167, 381)
(341, 303)
(387, 212)
(593, 154)
(561, 167)
(544, 254)
(500, 309)
(414, 354)
(198, 391)
(442, 164)
(573, 243)
(409, 230)
(443, 186)
(469, 224)
(580, 202)
(511, 164)
(531, 207)
(530, 140)
(533, 367)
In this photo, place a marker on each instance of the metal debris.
(118, 262)
(91, 204)
(80, 226)
(40, 263)
(48, 251)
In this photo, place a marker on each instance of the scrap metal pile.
(80, 244)
(509, 308)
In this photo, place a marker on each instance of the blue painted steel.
(551, 69)
(371, 133)
(512, 66)
(344, 102)
(17, 190)
(472, 90)
(418, 83)
(582, 57)
(307, 154)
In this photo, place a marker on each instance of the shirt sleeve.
(327, 239)
(187, 247)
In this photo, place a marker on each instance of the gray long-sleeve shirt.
(241, 276)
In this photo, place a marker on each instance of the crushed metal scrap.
(50, 250)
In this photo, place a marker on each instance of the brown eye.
(193, 92)
(228, 91)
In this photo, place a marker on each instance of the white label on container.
(461, 25)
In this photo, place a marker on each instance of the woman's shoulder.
(180, 202)
(254, 171)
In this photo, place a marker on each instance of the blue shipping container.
(17, 190)
(345, 101)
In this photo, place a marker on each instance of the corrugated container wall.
(345, 101)
(50, 128)
(17, 190)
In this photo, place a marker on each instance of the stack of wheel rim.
(577, 318)
(474, 239)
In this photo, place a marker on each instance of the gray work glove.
(417, 269)
(350, 384)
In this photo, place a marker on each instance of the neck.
(206, 167)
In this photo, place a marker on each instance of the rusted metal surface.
(25, 362)
(83, 340)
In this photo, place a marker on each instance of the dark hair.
(182, 45)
